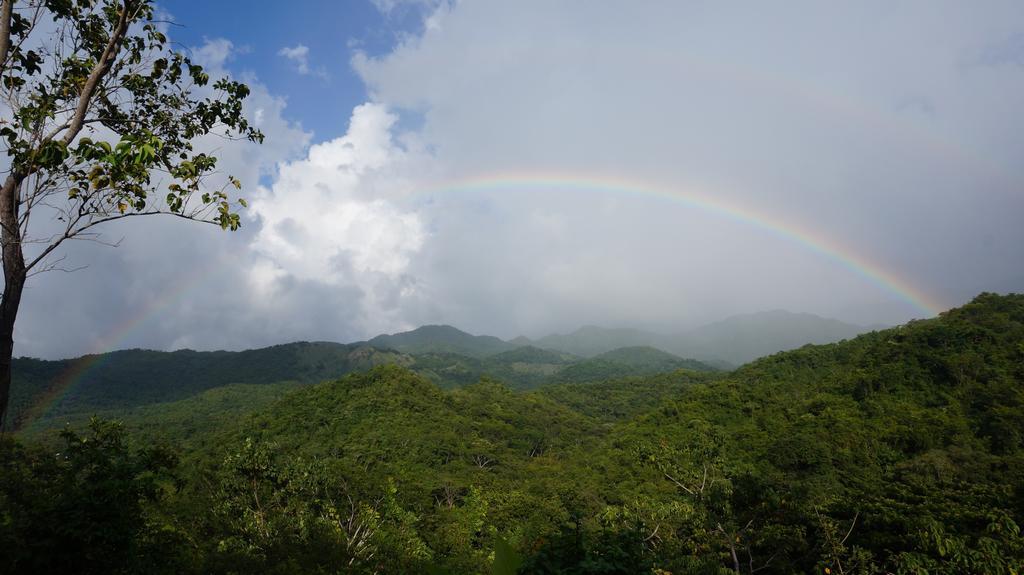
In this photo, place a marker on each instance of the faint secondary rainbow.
(812, 240)
(115, 339)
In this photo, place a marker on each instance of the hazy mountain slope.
(533, 354)
(916, 431)
(910, 439)
(590, 340)
(527, 367)
(651, 359)
(441, 339)
(392, 422)
(447, 356)
(733, 341)
(186, 423)
(743, 338)
(448, 370)
(624, 362)
(52, 392)
(908, 443)
(621, 399)
(518, 369)
(131, 378)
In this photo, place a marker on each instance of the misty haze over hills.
(445, 355)
(511, 288)
(732, 341)
(501, 414)
(727, 343)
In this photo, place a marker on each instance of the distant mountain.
(909, 440)
(625, 362)
(136, 377)
(724, 344)
(743, 338)
(441, 339)
(533, 354)
(590, 340)
(121, 383)
(447, 356)
(651, 359)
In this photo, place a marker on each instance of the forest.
(898, 451)
(519, 170)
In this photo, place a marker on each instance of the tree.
(85, 508)
(99, 121)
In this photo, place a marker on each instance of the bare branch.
(98, 73)
(679, 484)
(53, 267)
(653, 533)
(765, 564)
(850, 530)
(74, 233)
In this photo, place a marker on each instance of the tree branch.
(678, 483)
(72, 234)
(98, 72)
(852, 524)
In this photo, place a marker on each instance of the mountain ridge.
(447, 355)
(440, 338)
(729, 342)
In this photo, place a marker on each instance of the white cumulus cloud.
(891, 129)
(327, 219)
(299, 55)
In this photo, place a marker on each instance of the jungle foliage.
(49, 394)
(900, 451)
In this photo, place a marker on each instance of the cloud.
(169, 284)
(299, 55)
(1010, 50)
(388, 7)
(215, 52)
(325, 253)
(889, 130)
(319, 225)
(888, 147)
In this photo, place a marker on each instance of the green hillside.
(615, 400)
(899, 451)
(187, 422)
(132, 378)
(48, 393)
(532, 354)
(743, 338)
(723, 344)
(441, 339)
(649, 358)
(624, 362)
(51, 393)
(590, 340)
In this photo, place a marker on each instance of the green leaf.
(506, 560)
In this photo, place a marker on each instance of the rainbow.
(812, 240)
(78, 368)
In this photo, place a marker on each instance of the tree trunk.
(14, 283)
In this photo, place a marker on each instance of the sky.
(530, 167)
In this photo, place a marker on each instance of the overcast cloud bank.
(891, 129)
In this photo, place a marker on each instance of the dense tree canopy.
(99, 122)
(897, 452)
